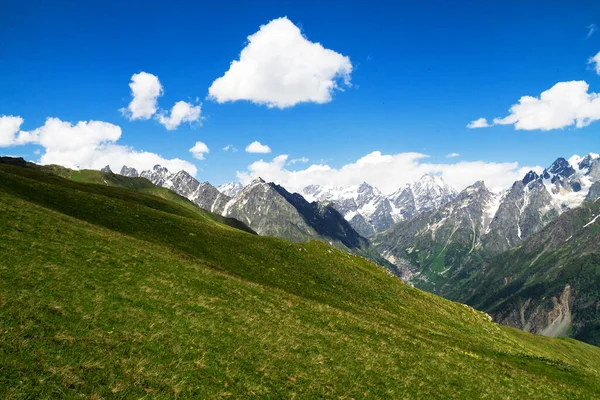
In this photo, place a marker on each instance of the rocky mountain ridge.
(267, 208)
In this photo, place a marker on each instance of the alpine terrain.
(108, 291)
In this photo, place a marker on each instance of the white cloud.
(478, 123)
(280, 67)
(258, 147)
(230, 147)
(180, 113)
(563, 105)
(595, 60)
(388, 172)
(9, 131)
(199, 150)
(92, 144)
(592, 28)
(298, 160)
(452, 155)
(145, 89)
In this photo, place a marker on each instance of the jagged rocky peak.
(530, 177)
(366, 188)
(560, 167)
(160, 169)
(106, 169)
(584, 163)
(130, 172)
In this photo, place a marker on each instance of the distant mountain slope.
(430, 243)
(550, 283)
(271, 210)
(107, 292)
(438, 249)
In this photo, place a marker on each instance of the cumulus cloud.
(298, 160)
(478, 123)
(92, 144)
(595, 61)
(145, 90)
(180, 113)
(388, 172)
(199, 150)
(10, 131)
(280, 67)
(563, 105)
(452, 155)
(258, 147)
(230, 147)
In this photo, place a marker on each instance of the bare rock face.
(594, 192)
(130, 172)
(548, 317)
(106, 169)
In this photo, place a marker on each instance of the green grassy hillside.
(111, 293)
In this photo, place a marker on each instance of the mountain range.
(370, 212)
(434, 238)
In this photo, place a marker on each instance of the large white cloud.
(388, 172)
(145, 90)
(92, 144)
(564, 104)
(280, 67)
(180, 113)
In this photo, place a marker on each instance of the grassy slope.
(138, 184)
(108, 292)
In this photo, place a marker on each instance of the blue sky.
(420, 73)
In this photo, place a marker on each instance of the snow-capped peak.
(431, 192)
(231, 189)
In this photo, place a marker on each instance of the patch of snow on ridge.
(592, 221)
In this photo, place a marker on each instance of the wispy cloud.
(231, 148)
(298, 160)
(452, 155)
(592, 28)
